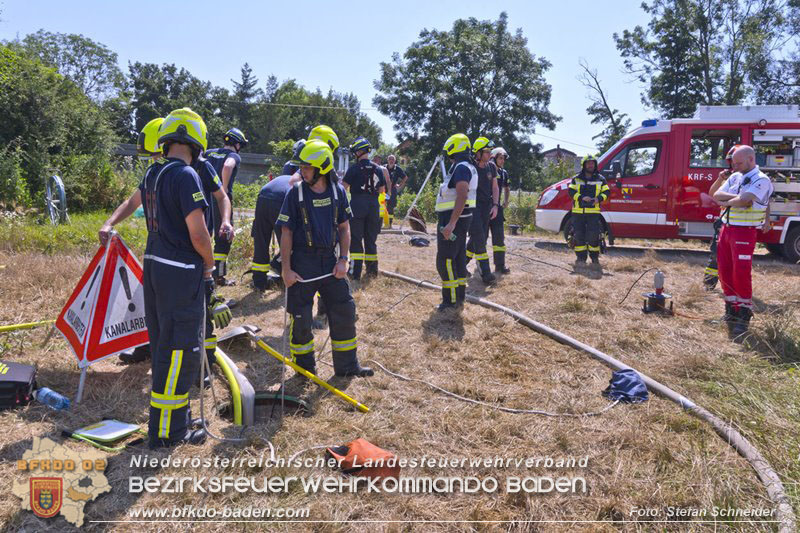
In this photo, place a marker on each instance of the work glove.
(221, 315)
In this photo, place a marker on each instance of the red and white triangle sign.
(105, 313)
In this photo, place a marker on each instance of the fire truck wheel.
(775, 249)
(791, 246)
(569, 233)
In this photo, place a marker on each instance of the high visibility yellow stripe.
(343, 346)
(259, 267)
(449, 284)
(370, 257)
(451, 278)
(210, 343)
(594, 248)
(299, 349)
(470, 254)
(444, 206)
(482, 257)
(356, 256)
(462, 281)
(711, 271)
(220, 257)
(165, 417)
(498, 248)
(581, 248)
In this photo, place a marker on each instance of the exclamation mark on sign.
(89, 290)
(123, 274)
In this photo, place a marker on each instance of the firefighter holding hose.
(315, 217)
(588, 189)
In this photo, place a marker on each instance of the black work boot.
(709, 282)
(306, 362)
(486, 272)
(192, 436)
(729, 313)
(355, 269)
(461, 295)
(447, 300)
(741, 324)
(139, 354)
(346, 365)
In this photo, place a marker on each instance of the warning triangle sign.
(105, 313)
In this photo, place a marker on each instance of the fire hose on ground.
(765, 472)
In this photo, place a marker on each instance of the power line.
(359, 109)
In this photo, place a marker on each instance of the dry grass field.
(650, 455)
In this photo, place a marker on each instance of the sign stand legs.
(438, 160)
(81, 383)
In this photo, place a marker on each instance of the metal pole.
(81, 382)
(422, 188)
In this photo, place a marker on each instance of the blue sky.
(329, 44)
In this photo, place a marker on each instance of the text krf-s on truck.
(660, 174)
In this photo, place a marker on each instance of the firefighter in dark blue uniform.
(588, 189)
(148, 146)
(485, 209)
(455, 203)
(268, 207)
(496, 225)
(365, 180)
(226, 162)
(178, 264)
(399, 178)
(314, 218)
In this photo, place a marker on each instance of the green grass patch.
(33, 233)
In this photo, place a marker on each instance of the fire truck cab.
(660, 175)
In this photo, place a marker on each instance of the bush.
(522, 209)
(426, 203)
(244, 196)
(13, 189)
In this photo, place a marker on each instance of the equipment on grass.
(419, 242)
(285, 360)
(55, 200)
(242, 392)
(361, 458)
(626, 386)
(17, 382)
(655, 302)
(105, 434)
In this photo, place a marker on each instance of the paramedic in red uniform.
(746, 193)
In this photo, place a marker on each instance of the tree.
(245, 93)
(157, 90)
(706, 52)
(53, 126)
(92, 66)
(616, 124)
(477, 78)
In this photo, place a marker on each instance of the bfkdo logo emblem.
(46, 495)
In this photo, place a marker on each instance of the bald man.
(746, 195)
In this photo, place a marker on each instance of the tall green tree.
(477, 78)
(92, 66)
(245, 94)
(615, 123)
(706, 52)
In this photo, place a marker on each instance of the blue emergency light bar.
(649, 123)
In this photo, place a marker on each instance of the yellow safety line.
(29, 325)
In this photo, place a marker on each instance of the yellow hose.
(267, 348)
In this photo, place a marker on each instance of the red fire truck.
(660, 175)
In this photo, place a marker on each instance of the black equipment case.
(17, 382)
